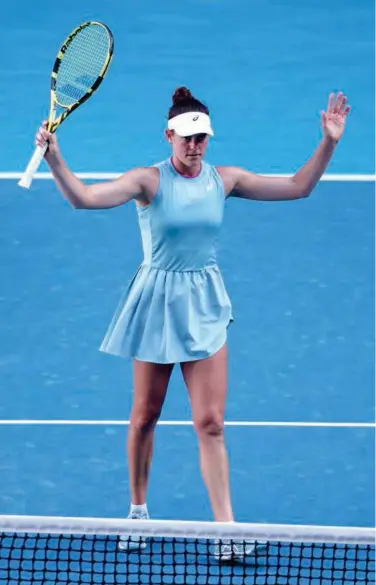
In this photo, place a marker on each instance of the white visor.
(191, 123)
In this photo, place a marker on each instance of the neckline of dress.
(195, 178)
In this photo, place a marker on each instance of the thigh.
(150, 383)
(206, 381)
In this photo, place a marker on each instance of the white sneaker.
(228, 550)
(130, 542)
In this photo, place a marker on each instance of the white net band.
(188, 529)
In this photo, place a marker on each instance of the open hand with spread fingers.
(334, 119)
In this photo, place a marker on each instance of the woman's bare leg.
(207, 385)
(150, 388)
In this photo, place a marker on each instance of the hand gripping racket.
(79, 69)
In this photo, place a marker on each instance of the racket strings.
(82, 64)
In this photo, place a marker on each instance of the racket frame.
(54, 122)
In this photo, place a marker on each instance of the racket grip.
(32, 167)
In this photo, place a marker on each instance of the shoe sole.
(131, 546)
(232, 555)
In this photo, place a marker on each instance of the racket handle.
(32, 167)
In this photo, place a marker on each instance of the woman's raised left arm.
(247, 185)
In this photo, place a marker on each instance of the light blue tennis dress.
(176, 308)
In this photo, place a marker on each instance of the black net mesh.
(62, 559)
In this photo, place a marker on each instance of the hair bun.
(180, 94)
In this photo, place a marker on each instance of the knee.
(209, 425)
(144, 421)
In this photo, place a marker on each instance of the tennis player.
(176, 309)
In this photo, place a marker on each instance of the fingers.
(330, 103)
(343, 108)
(337, 104)
(43, 136)
(340, 105)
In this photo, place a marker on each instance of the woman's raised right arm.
(139, 183)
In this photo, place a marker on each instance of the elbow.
(79, 204)
(300, 191)
(81, 200)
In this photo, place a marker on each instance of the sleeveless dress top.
(176, 308)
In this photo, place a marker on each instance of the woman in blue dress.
(176, 309)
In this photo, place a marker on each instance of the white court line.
(186, 423)
(103, 176)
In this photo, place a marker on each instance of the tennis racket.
(79, 69)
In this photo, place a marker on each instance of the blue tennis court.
(301, 407)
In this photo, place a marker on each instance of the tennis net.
(46, 550)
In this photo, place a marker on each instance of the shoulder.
(229, 177)
(146, 176)
(142, 174)
(145, 182)
(234, 177)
